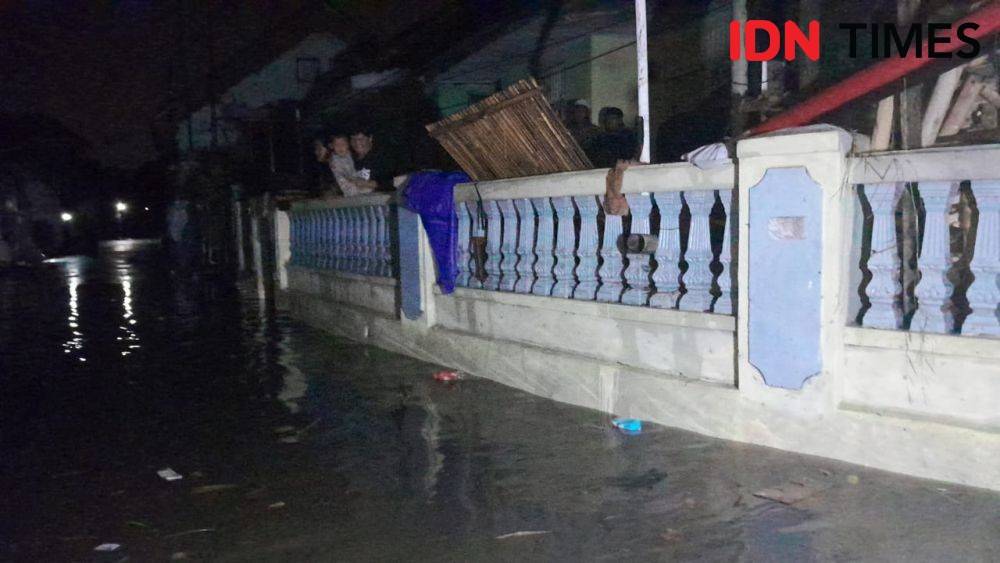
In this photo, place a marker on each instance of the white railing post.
(698, 277)
(885, 286)
(525, 246)
(478, 232)
(984, 293)
(565, 245)
(586, 271)
(639, 265)
(462, 254)
(508, 246)
(668, 251)
(611, 270)
(933, 290)
(494, 241)
(544, 240)
(328, 238)
(340, 239)
(724, 304)
(383, 253)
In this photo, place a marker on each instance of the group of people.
(354, 166)
(605, 143)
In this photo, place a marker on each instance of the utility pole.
(739, 73)
(642, 70)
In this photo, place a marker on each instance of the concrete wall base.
(921, 448)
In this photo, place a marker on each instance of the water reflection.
(364, 454)
(131, 338)
(73, 321)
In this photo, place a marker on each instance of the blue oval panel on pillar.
(785, 262)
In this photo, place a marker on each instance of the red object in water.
(882, 74)
(446, 376)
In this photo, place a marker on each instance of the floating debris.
(191, 532)
(630, 426)
(447, 376)
(169, 474)
(522, 534)
(213, 488)
(276, 505)
(791, 493)
(108, 547)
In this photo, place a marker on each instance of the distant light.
(146, 208)
(66, 217)
(121, 206)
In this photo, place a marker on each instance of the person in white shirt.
(342, 166)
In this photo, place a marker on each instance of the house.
(288, 77)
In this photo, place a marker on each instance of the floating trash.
(446, 376)
(629, 426)
(169, 474)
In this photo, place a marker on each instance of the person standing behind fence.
(371, 162)
(613, 142)
(348, 179)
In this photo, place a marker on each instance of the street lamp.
(66, 217)
(121, 206)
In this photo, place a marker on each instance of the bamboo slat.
(510, 134)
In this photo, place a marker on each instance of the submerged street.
(294, 445)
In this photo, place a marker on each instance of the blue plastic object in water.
(628, 425)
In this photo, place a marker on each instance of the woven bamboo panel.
(511, 134)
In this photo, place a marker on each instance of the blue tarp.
(432, 196)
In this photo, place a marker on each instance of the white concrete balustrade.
(934, 179)
(351, 235)
(547, 302)
(549, 236)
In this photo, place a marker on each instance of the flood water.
(297, 446)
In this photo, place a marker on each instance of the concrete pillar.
(795, 235)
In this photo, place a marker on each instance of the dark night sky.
(112, 70)
(122, 73)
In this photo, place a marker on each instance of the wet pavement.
(296, 446)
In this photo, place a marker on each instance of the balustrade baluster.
(367, 240)
(348, 239)
(525, 246)
(668, 252)
(338, 238)
(372, 257)
(311, 239)
(724, 304)
(984, 293)
(637, 274)
(494, 240)
(360, 240)
(354, 234)
(885, 287)
(586, 270)
(328, 225)
(383, 247)
(478, 232)
(462, 254)
(508, 246)
(544, 245)
(376, 242)
(293, 237)
(933, 290)
(565, 245)
(612, 265)
(698, 277)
